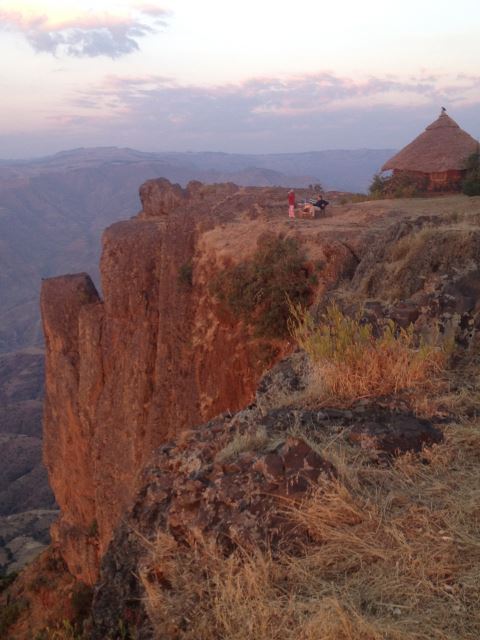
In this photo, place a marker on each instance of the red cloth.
(291, 199)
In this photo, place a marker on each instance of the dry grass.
(381, 554)
(62, 631)
(253, 440)
(348, 363)
(412, 244)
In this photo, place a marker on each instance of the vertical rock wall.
(153, 358)
(126, 373)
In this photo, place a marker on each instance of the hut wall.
(444, 181)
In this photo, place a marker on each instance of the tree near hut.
(401, 185)
(471, 184)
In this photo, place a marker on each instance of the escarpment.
(156, 354)
(151, 357)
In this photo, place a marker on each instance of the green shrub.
(82, 601)
(401, 185)
(6, 581)
(9, 614)
(63, 631)
(185, 274)
(471, 184)
(93, 529)
(257, 291)
(40, 581)
(377, 186)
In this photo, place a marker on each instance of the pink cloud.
(86, 36)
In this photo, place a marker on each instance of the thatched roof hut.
(437, 156)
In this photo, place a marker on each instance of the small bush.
(39, 582)
(401, 185)
(6, 581)
(185, 274)
(256, 291)
(471, 184)
(9, 614)
(93, 529)
(377, 186)
(63, 631)
(350, 363)
(82, 601)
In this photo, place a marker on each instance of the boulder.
(394, 435)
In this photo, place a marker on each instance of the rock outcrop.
(131, 370)
(154, 356)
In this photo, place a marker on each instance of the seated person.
(320, 202)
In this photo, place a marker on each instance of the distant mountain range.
(343, 170)
(54, 209)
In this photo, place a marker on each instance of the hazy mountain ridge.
(340, 169)
(53, 210)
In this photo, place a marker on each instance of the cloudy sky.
(238, 76)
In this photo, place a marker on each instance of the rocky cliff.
(152, 357)
(156, 355)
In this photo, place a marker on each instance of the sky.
(254, 76)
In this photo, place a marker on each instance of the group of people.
(310, 207)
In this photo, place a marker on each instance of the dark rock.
(303, 466)
(440, 257)
(285, 378)
(271, 466)
(405, 313)
(394, 435)
(374, 310)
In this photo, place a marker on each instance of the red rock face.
(67, 433)
(125, 373)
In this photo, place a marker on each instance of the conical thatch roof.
(443, 146)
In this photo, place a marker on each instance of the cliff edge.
(126, 371)
(160, 353)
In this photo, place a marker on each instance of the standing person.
(291, 204)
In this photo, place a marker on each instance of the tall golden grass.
(349, 363)
(380, 554)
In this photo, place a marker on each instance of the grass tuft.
(349, 363)
(253, 440)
